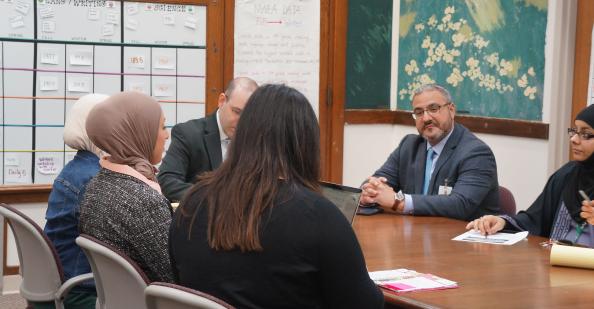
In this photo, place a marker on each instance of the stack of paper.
(405, 280)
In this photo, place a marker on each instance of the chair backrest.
(120, 282)
(161, 295)
(40, 265)
(507, 203)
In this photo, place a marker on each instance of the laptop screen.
(345, 198)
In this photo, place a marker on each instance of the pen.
(585, 196)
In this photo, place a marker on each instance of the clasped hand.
(376, 190)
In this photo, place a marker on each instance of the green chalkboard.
(368, 58)
(488, 53)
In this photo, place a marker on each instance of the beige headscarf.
(126, 126)
(75, 131)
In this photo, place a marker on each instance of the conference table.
(488, 276)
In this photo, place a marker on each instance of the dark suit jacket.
(466, 162)
(195, 148)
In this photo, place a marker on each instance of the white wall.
(521, 162)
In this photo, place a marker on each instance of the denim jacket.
(63, 212)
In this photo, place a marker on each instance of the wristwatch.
(398, 197)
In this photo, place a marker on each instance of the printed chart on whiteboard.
(54, 51)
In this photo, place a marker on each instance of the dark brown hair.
(277, 140)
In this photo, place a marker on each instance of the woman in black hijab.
(556, 211)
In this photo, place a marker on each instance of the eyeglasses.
(583, 135)
(431, 110)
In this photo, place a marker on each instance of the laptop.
(345, 198)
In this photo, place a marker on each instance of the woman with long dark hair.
(256, 232)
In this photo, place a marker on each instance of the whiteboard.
(44, 74)
(79, 21)
(278, 41)
(164, 24)
(18, 19)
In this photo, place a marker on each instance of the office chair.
(40, 266)
(507, 203)
(119, 281)
(161, 295)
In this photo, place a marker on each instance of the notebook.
(345, 198)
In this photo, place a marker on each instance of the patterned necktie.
(428, 167)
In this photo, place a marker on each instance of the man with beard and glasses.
(444, 171)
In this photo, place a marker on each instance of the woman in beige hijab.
(123, 205)
(63, 203)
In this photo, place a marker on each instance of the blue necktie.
(428, 166)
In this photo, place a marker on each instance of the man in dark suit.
(200, 145)
(444, 171)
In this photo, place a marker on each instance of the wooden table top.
(517, 276)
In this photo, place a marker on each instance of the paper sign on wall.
(164, 62)
(79, 84)
(46, 165)
(163, 90)
(132, 24)
(22, 7)
(48, 27)
(17, 22)
(46, 12)
(49, 57)
(132, 8)
(108, 30)
(15, 174)
(48, 83)
(112, 18)
(138, 87)
(93, 14)
(136, 61)
(82, 58)
(190, 23)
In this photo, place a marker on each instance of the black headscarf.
(582, 177)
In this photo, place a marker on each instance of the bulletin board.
(54, 51)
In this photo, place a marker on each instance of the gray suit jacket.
(195, 148)
(466, 162)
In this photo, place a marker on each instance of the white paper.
(93, 14)
(48, 83)
(81, 58)
(22, 7)
(168, 19)
(190, 23)
(11, 159)
(79, 84)
(108, 30)
(15, 174)
(17, 22)
(46, 12)
(163, 90)
(48, 26)
(138, 87)
(164, 62)
(49, 56)
(279, 46)
(132, 24)
(136, 61)
(132, 8)
(112, 18)
(46, 165)
(496, 239)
